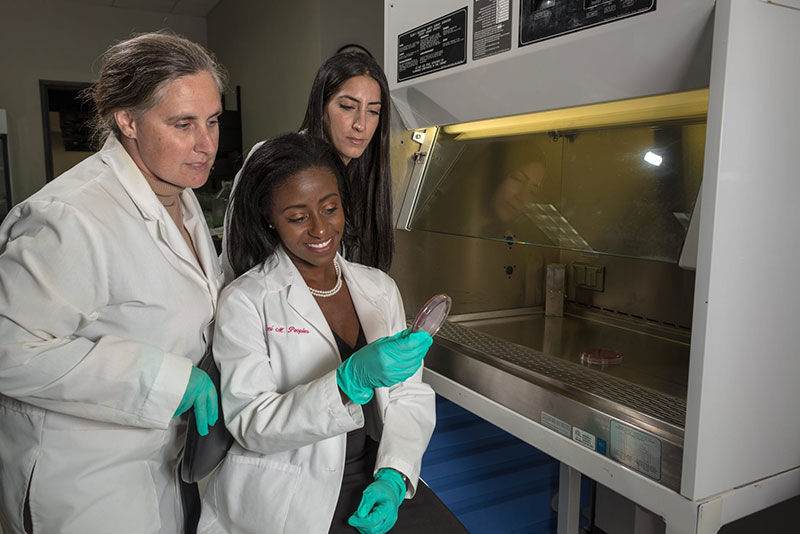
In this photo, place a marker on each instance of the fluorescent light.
(653, 159)
(688, 104)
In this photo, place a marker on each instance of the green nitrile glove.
(377, 512)
(200, 393)
(382, 363)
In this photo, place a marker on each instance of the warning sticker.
(636, 449)
(432, 47)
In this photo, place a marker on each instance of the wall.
(356, 22)
(60, 41)
(273, 49)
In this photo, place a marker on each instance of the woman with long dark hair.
(321, 381)
(349, 107)
(335, 115)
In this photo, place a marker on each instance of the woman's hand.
(380, 501)
(382, 363)
(200, 393)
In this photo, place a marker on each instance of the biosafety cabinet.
(607, 190)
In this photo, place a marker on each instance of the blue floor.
(493, 482)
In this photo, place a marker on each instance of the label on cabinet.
(584, 438)
(554, 423)
(636, 449)
(437, 45)
(491, 28)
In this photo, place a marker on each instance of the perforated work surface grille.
(663, 407)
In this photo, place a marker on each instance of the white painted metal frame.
(741, 420)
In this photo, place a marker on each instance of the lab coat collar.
(196, 225)
(130, 176)
(133, 181)
(364, 291)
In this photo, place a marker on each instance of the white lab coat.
(277, 359)
(103, 310)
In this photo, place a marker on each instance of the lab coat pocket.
(255, 493)
(20, 428)
(97, 481)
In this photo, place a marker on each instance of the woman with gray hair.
(108, 286)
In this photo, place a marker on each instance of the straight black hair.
(371, 241)
(250, 240)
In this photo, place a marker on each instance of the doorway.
(66, 123)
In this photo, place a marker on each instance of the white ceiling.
(196, 8)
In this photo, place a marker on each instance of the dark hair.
(369, 177)
(135, 72)
(250, 240)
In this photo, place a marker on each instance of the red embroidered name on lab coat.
(286, 330)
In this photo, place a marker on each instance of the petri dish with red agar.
(432, 315)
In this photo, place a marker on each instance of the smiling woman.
(306, 212)
(109, 281)
(349, 107)
(331, 425)
(289, 201)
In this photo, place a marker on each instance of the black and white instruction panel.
(491, 28)
(435, 46)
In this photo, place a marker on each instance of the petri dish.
(431, 316)
(601, 357)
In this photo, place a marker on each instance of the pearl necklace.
(336, 288)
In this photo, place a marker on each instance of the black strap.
(190, 502)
